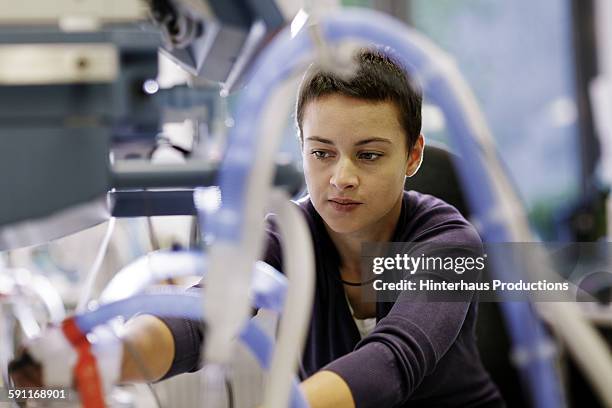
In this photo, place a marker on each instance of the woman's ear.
(416, 156)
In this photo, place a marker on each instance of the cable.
(230, 393)
(152, 235)
(92, 275)
(153, 241)
(140, 364)
(194, 233)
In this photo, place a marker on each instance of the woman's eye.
(320, 154)
(369, 156)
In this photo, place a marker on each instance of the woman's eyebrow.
(372, 139)
(319, 139)
(359, 143)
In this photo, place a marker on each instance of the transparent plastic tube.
(300, 269)
(236, 229)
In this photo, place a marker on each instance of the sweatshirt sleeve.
(188, 336)
(388, 365)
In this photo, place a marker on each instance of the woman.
(360, 138)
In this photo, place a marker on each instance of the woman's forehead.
(338, 119)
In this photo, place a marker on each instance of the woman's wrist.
(326, 389)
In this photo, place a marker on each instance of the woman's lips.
(344, 207)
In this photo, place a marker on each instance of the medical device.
(60, 175)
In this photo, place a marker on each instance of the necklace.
(356, 283)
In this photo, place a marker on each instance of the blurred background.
(131, 111)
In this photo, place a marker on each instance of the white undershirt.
(365, 326)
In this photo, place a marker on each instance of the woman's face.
(355, 162)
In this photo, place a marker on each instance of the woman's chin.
(343, 227)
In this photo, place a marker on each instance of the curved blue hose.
(181, 304)
(277, 62)
(525, 328)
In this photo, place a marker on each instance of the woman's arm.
(148, 349)
(148, 340)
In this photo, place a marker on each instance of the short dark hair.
(379, 77)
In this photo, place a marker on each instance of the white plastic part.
(108, 350)
(299, 266)
(25, 317)
(50, 297)
(58, 358)
(221, 290)
(231, 265)
(24, 289)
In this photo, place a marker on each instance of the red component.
(86, 370)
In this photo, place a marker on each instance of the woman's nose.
(345, 175)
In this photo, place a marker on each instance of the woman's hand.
(327, 389)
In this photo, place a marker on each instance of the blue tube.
(275, 64)
(175, 303)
